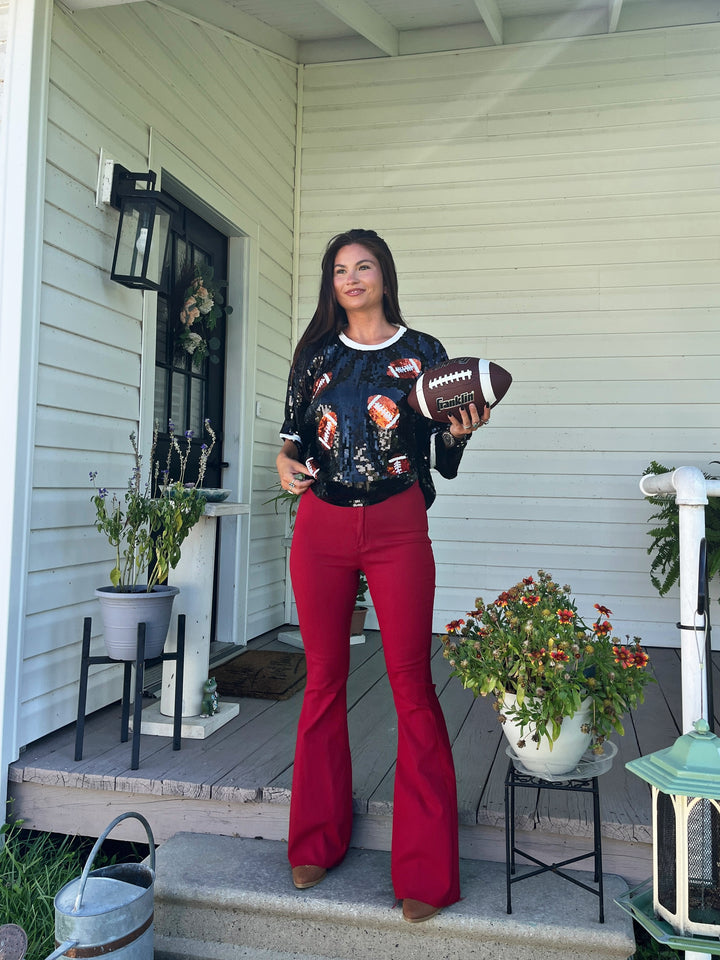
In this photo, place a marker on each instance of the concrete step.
(227, 898)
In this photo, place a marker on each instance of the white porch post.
(22, 196)
(691, 491)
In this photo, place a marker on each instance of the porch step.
(229, 897)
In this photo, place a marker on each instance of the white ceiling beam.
(76, 5)
(364, 20)
(492, 18)
(614, 8)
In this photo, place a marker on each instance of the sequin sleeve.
(297, 398)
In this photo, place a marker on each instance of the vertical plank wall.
(553, 207)
(116, 73)
(4, 20)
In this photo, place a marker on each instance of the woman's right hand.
(294, 475)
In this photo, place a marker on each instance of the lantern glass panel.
(703, 868)
(128, 258)
(141, 242)
(157, 250)
(665, 852)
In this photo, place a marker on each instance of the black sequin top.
(347, 413)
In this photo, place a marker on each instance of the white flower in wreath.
(204, 301)
(192, 341)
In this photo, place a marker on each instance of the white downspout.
(691, 491)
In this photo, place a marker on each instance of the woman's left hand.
(468, 421)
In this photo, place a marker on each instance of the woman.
(358, 457)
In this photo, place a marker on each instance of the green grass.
(35, 866)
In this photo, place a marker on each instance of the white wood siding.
(116, 74)
(4, 21)
(553, 207)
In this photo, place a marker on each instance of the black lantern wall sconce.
(143, 229)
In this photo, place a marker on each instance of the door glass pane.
(180, 256)
(160, 405)
(196, 408)
(177, 403)
(180, 357)
(161, 339)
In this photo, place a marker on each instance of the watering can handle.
(98, 844)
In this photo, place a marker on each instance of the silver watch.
(450, 441)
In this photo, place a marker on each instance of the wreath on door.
(202, 305)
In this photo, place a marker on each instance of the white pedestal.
(194, 575)
(194, 728)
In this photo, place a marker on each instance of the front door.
(189, 375)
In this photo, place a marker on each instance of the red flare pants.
(389, 542)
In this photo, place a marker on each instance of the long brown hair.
(329, 316)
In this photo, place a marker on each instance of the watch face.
(448, 439)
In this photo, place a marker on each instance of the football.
(326, 429)
(383, 411)
(457, 383)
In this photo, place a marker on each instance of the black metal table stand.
(516, 778)
(140, 664)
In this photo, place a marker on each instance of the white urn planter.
(123, 611)
(540, 758)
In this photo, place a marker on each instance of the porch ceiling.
(317, 31)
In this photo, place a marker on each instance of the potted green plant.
(665, 546)
(146, 527)
(550, 673)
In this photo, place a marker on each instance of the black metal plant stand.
(140, 664)
(515, 778)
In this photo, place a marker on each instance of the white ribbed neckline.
(354, 345)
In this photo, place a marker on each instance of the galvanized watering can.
(108, 911)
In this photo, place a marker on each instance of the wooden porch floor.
(237, 781)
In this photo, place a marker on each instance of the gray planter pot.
(122, 612)
(357, 623)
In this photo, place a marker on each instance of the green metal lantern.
(685, 781)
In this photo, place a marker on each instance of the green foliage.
(532, 642)
(362, 589)
(33, 868)
(285, 500)
(665, 547)
(647, 948)
(148, 526)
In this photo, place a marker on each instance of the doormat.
(266, 674)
